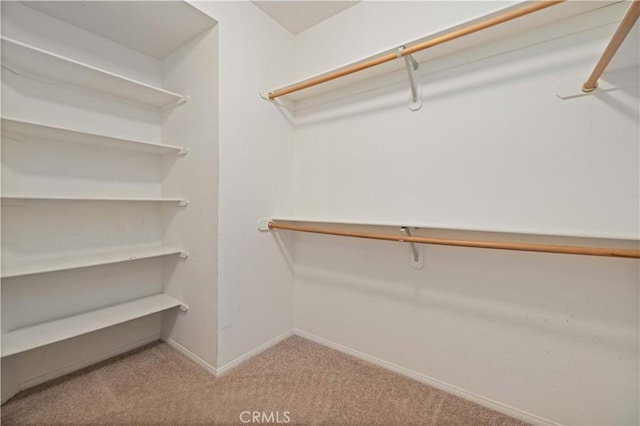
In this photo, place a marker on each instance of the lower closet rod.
(545, 248)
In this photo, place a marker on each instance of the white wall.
(480, 152)
(255, 151)
(192, 70)
(545, 336)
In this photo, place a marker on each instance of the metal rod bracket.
(414, 81)
(417, 253)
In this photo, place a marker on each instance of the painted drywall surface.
(491, 148)
(28, 169)
(254, 279)
(480, 153)
(192, 71)
(538, 332)
(44, 229)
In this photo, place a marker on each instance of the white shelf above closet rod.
(321, 228)
(33, 62)
(62, 263)
(19, 198)
(411, 48)
(457, 40)
(14, 128)
(39, 335)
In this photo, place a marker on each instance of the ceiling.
(297, 16)
(155, 28)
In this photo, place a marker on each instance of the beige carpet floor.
(314, 384)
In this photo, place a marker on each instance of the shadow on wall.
(509, 288)
(34, 156)
(627, 80)
(285, 246)
(463, 77)
(56, 93)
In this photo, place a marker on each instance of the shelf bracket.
(183, 203)
(263, 225)
(172, 105)
(183, 307)
(183, 151)
(414, 80)
(184, 254)
(417, 253)
(281, 102)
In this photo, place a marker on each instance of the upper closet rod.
(544, 248)
(621, 33)
(507, 16)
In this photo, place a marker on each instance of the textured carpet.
(296, 380)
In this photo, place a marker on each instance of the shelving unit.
(180, 201)
(62, 263)
(19, 129)
(39, 64)
(95, 173)
(34, 62)
(39, 335)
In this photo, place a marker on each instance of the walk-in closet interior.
(448, 190)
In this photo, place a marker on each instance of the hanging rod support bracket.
(414, 80)
(417, 252)
(263, 225)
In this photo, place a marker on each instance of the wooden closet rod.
(621, 33)
(507, 16)
(588, 251)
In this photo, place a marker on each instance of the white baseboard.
(74, 366)
(469, 396)
(10, 393)
(193, 357)
(231, 365)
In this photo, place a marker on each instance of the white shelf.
(32, 61)
(20, 198)
(19, 129)
(82, 261)
(50, 332)
(440, 226)
(554, 22)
